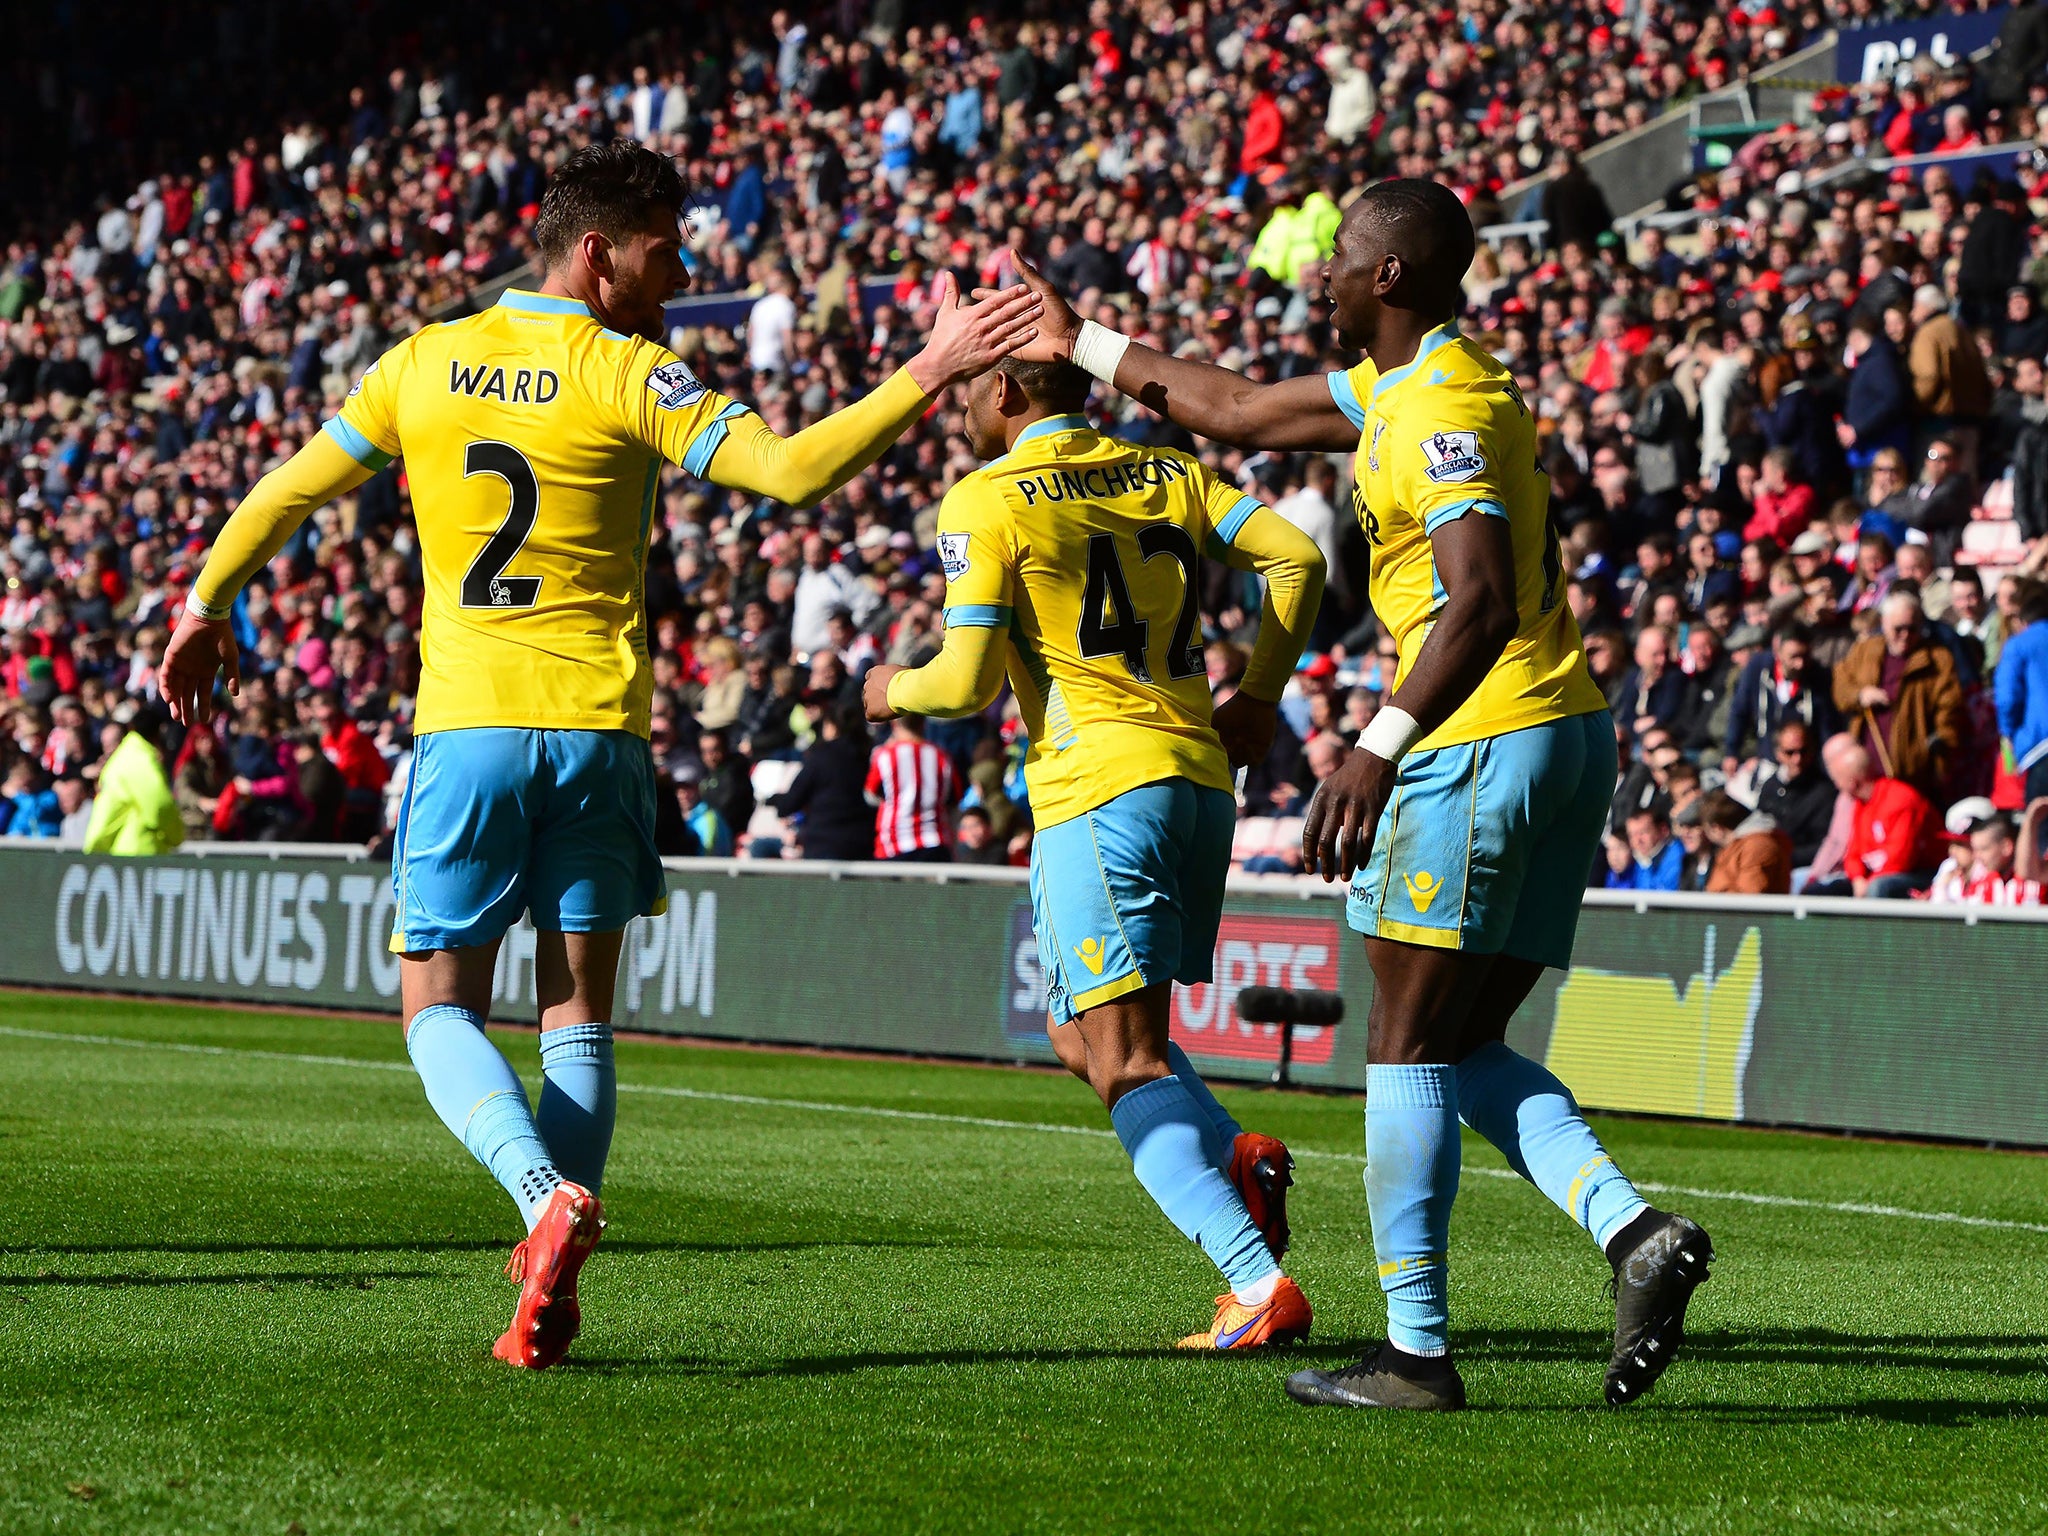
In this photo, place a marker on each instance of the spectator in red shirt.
(1265, 130)
(912, 785)
(1783, 505)
(1995, 878)
(361, 766)
(1895, 838)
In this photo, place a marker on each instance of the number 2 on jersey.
(484, 584)
(1126, 633)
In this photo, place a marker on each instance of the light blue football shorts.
(1131, 893)
(499, 822)
(1487, 846)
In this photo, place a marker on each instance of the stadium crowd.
(1798, 451)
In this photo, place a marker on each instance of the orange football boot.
(1262, 1169)
(1284, 1319)
(546, 1265)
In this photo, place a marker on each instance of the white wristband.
(1098, 350)
(1390, 733)
(203, 611)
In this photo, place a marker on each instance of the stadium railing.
(1899, 1017)
(1636, 168)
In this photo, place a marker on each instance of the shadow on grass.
(2001, 1355)
(884, 1360)
(462, 1245)
(329, 1280)
(1994, 1354)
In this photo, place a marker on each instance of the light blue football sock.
(579, 1100)
(480, 1098)
(1411, 1180)
(1166, 1133)
(1223, 1130)
(1521, 1107)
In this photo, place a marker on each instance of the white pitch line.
(880, 1112)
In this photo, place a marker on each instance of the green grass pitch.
(256, 1292)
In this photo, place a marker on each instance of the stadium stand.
(1817, 385)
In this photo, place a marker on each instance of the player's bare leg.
(1068, 1045)
(1658, 1258)
(1169, 1129)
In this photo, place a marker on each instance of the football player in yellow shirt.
(534, 435)
(1469, 817)
(1072, 562)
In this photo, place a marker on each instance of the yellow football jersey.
(1439, 437)
(533, 440)
(1087, 551)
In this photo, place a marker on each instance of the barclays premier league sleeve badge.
(674, 385)
(1452, 457)
(953, 555)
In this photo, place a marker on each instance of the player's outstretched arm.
(1293, 415)
(966, 339)
(1288, 559)
(1475, 563)
(963, 679)
(203, 645)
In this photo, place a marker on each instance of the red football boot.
(1262, 1169)
(546, 1265)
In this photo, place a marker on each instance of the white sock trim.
(1259, 1292)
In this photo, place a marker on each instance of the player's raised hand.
(1344, 816)
(1245, 726)
(968, 339)
(199, 651)
(1058, 325)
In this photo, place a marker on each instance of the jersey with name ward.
(1084, 553)
(1442, 437)
(533, 440)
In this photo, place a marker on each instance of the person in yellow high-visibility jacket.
(1296, 239)
(132, 811)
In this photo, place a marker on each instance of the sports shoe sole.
(1630, 1377)
(557, 1323)
(1318, 1389)
(1273, 1177)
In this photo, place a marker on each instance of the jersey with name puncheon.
(533, 439)
(1087, 552)
(1446, 436)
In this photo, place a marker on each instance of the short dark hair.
(613, 188)
(1722, 810)
(1056, 386)
(1425, 224)
(2030, 600)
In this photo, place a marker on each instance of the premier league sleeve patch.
(674, 385)
(1452, 457)
(953, 555)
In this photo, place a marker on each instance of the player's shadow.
(461, 1245)
(1980, 1354)
(330, 1280)
(852, 1363)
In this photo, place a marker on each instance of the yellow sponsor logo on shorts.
(1422, 888)
(1093, 953)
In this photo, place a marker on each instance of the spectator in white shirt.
(1312, 508)
(770, 324)
(822, 588)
